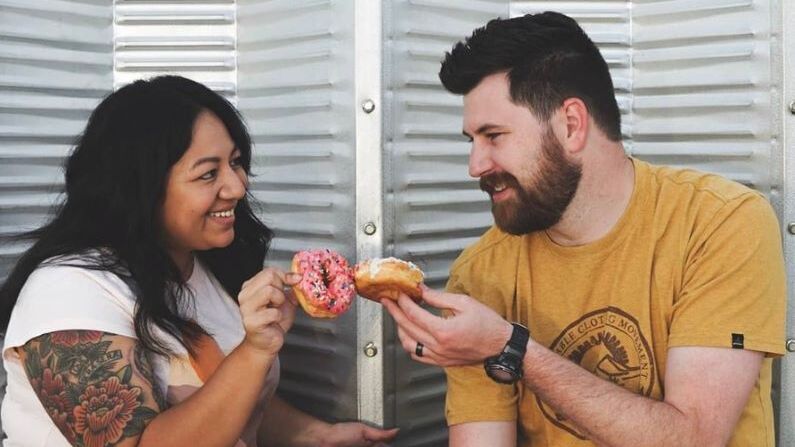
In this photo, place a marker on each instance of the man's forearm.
(609, 414)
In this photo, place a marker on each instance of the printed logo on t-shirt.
(609, 343)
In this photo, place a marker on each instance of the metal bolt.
(368, 106)
(369, 228)
(791, 345)
(791, 228)
(370, 350)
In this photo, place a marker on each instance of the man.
(654, 297)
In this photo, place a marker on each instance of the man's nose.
(479, 161)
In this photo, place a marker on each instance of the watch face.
(500, 374)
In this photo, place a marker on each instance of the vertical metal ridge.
(786, 118)
(369, 199)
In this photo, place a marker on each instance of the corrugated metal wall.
(697, 82)
(295, 88)
(196, 39)
(55, 64)
(433, 207)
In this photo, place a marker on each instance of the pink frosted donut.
(326, 289)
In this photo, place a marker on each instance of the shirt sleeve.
(734, 288)
(471, 395)
(57, 298)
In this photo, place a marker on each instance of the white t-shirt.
(59, 297)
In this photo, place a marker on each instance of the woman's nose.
(235, 184)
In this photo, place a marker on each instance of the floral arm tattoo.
(98, 388)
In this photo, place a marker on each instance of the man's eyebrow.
(482, 129)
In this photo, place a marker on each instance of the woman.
(120, 323)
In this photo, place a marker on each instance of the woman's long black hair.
(115, 186)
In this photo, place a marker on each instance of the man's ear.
(573, 125)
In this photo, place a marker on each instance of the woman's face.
(202, 190)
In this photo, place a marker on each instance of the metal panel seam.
(369, 201)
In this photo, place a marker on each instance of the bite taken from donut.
(326, 289)
(386, 278)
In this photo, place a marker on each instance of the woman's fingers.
(261, 320)
(265, 289)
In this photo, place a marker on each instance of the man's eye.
(209, 175)
(493, 136)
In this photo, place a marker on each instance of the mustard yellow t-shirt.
(695, 260)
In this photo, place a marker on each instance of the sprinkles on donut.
(326, 289)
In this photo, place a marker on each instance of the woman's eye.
(236, 162)
(209, 175)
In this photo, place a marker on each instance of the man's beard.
(542, 203)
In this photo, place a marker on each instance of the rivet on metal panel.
(792, 107)
(370, 350)
(368, 106)
(791, 345)
(369, 228)
(791, 228)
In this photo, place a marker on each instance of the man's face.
(518, 159)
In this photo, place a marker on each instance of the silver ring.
(418, 349)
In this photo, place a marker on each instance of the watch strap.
(519, 338)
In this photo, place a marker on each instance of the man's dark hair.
(547, 57)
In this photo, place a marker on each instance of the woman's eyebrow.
(206, 160)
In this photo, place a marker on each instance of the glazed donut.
(326, 289)
(387, 278)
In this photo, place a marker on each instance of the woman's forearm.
(282, 424)
(216, 414)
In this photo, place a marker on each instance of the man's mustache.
(490, 181)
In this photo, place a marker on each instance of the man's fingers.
(395, 311)
(376, 435)
(437, 299)
(418, 316)
(409, 345)
(406, 325)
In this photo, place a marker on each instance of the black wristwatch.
(507, 367)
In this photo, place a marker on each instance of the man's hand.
(356, 434)
(284, 425)
(468, 333)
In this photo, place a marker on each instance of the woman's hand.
(266, 311)
(289, 305)
(356, 434)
